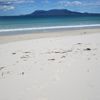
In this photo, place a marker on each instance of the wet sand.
(46, 34)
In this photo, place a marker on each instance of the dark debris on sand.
(13, 53)
(87, 49)
(2, 68)
(22, 73)
(51, 59)
(27, 52)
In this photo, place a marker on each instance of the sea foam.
(49, 28)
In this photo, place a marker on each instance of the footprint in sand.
(4, 74)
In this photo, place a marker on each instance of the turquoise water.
(29, 23)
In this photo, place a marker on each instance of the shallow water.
(14, 24)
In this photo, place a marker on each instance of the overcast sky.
(19, 7)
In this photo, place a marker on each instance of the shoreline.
(45, 34)
(69, 27)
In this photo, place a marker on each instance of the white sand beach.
(54, 67)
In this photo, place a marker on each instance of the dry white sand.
(59, 68)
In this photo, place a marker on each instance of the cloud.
(24, 1)
(69, 3)
(6, 5)
(92, 4)
(6, 8)
(17, 1)
(77, 3)
(10, 4)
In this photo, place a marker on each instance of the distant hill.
(54, 12)
(57, 12)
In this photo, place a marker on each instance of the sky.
(22, 7)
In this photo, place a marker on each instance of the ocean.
(22, 25)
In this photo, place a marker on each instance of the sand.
(46, 34)
(51, 68)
